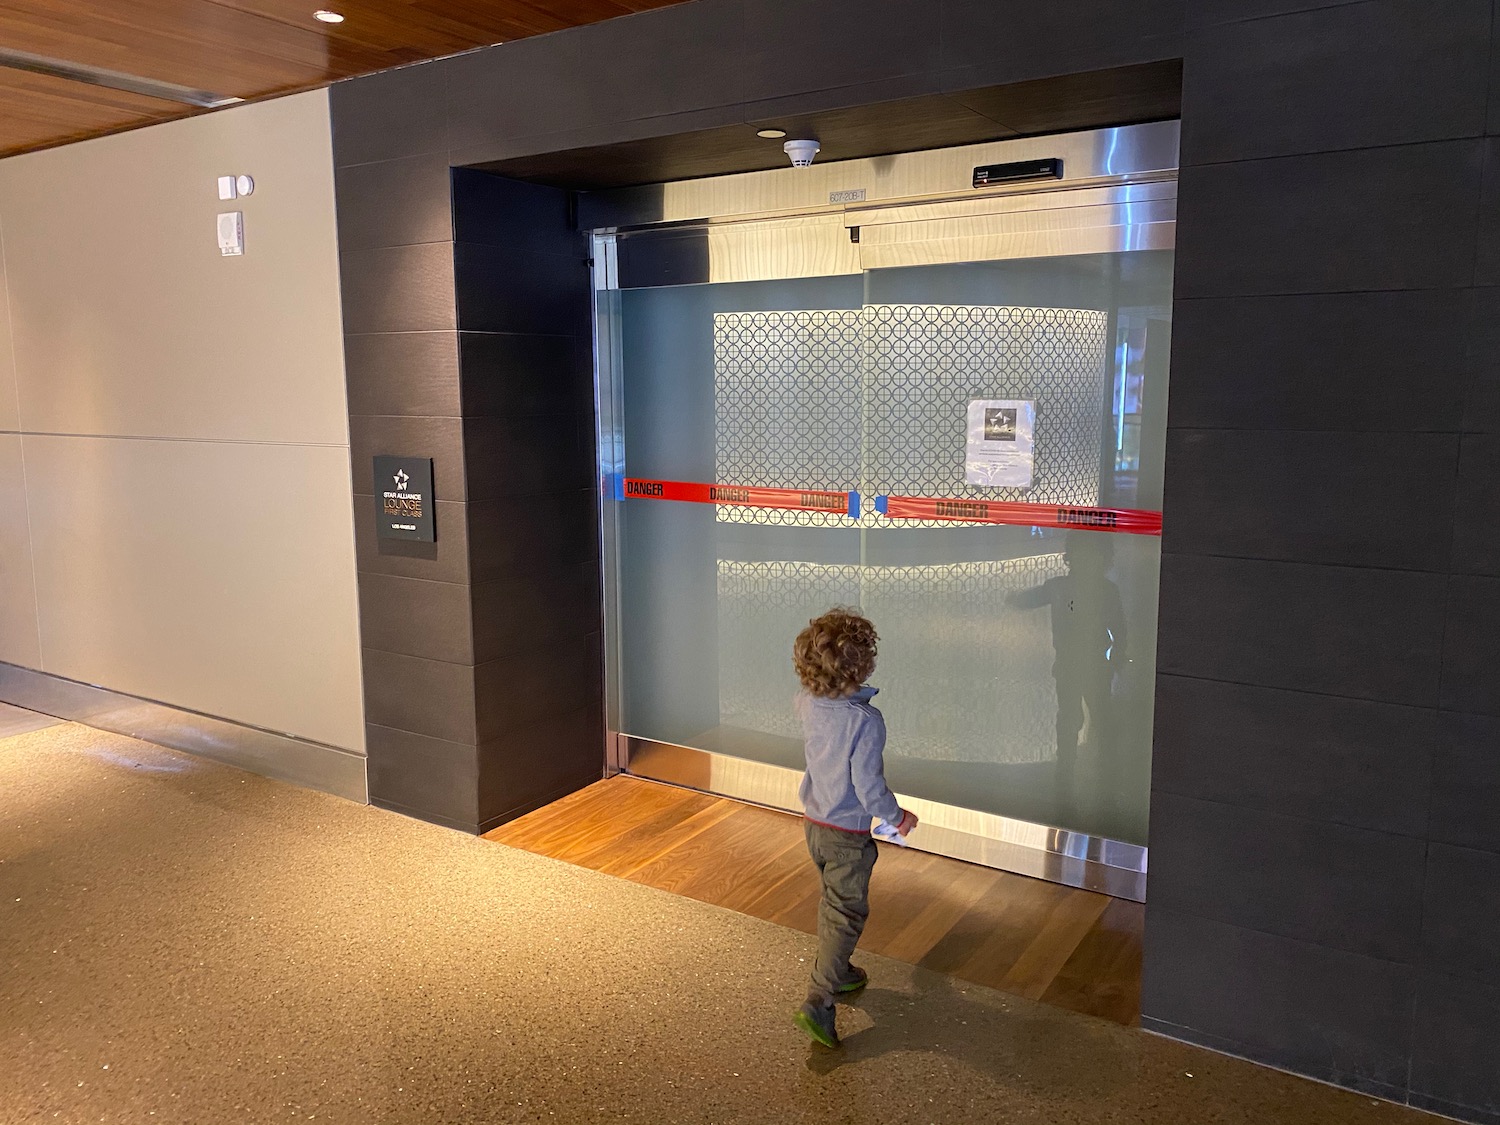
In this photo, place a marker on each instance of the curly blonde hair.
(835, 654)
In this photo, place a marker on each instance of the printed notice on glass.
(1000, 445)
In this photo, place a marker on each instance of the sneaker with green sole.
(861, 978)
(818, 1024)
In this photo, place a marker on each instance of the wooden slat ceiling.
(238, 48)
(36, 111)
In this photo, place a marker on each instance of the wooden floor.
(1070, 948)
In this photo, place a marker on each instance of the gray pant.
(845, 860)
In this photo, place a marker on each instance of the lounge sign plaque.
(403, 499)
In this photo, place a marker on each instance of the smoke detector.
(801, 152)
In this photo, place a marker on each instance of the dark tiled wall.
(401, 356)
(1327, 762)
(467, 340)
(1325, 879)
(526, 366)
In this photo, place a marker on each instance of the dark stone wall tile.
(1342, 761)
(671, 61)
(1487, 262)
(1455, 1042)
(1461, 914)
(1387, 218)
(988, 44)
(1494, 114)
(526, 456)
(403, 373)
(536, 605)
(398, 289)
(1482, 393)
(1337, 1016)
(447, 560)
(491, 210)
(1471, 649)
(394, 203)
(388, 115)
(1329, 884)
(914, 112)
(524, 88)
(1340, 361)
(519, 375)
(1071, 102)
(542, 683)
(588, 440)
(1466, 783)
(1366, 634)
(1248, 93)
(599, 141)
(415, 617)
(499, 290)
(1207, 13)
(442, 439)
(428, 697)
(790, 46)
(512, 534)
(1310, 497)
(427, 777)
(540, 762)
(1476, 534)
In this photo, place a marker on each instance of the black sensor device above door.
(988, 175)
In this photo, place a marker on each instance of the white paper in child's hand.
(887, 832)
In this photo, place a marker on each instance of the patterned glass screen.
(894, 383)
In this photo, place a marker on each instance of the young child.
(843, 789)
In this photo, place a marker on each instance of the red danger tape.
(1131, 521)
(739, 496)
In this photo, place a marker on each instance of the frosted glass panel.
(932, 619)
(1015, 665)
(901, 377)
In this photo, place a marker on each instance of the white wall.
(173, 425)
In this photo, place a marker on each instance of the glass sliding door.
(998, 427)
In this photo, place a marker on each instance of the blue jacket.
(845, 781)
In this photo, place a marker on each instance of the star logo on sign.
(401, 479)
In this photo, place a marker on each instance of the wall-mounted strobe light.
(323, 15)
(232, 187)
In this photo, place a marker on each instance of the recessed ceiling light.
(772, 134)
(328, 17)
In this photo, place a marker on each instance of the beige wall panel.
(18, 635)
(211, 576)
(127, 321)
(10, 413)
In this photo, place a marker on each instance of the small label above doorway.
(848, 195)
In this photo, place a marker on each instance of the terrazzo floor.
(182, 942)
